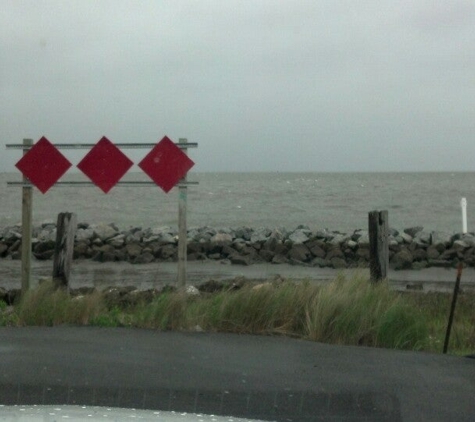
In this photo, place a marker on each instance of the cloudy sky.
(261, 85)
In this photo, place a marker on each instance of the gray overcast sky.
(270, 85)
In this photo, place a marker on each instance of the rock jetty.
(411, 248)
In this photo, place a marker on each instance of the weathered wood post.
(378, 245)
(64, 248)
(182, 199)
(26, 227)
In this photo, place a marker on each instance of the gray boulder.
(338, 239)
(361, 237)
(117, 241)
(104, 231)
(323, 234)
(412, 231)
(133, 250)
(144, 258)
(221, 239)
(240, 259)
(135, 236)
(244, 233)
(363, 253)
(84, 234)
(228, 250)
(10, 234)
(448, 254)
(460, 245)
(469, 239)
(402, 260)
(317, 251)
(299, 236)
(194, 247)
(167, 238)
(440, 238)
(43, 250)
(47, 235)
(393, 232)
(274, 240)
(17, 243)
(338, 263)
(266, 255)
(299, 252)
(392, 241)
(204, 235)
(277, 234)
(168, 252)
(419, 255)
(406, 238)
(335, 252)
(81, 250)
(103, 256)
(423, 237)
(432, 252)
(280, 259)
(320, 262)
(260, 235)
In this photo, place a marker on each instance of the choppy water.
(337, 201)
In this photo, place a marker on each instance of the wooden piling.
(64, 248)
(378, 245)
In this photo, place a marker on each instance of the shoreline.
(88, 273)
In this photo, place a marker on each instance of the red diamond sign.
(105, 164)
(43, 165)
(166, 164)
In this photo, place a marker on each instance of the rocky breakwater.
(411, 248)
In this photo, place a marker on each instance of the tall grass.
(357, 312)
(47, 306)
(345, 311)
(436, 308)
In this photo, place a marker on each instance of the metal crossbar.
(183, 145)
(84, 184)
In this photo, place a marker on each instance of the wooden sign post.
(182, 236)
(26, 227)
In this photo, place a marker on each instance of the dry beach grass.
(346, 311)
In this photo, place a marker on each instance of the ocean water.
(337, 201)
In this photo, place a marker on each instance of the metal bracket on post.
(26, 227)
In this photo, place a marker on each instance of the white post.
(463, 204)
(182, 194)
